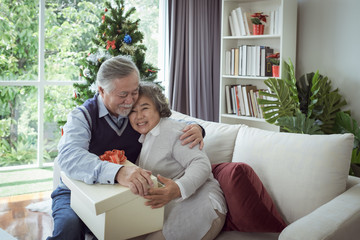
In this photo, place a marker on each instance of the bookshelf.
(282, 40)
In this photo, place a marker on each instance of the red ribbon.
(114, 156)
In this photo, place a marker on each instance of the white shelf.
(245, 77)
(250, 37)
(284, 42)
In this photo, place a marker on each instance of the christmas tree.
(116, 35)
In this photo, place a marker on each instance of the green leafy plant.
(344, 123)
(294, 105)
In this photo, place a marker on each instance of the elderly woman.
(194, 204)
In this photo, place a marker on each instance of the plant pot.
(275, 70)
(356, 169)
(258, 29)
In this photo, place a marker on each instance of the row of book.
(248, 60)
(241, 100)
(241, 25)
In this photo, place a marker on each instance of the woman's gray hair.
(153, 91)
(115, 68)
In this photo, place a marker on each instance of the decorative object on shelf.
(309, 106)
(257, 19)
(275, 64)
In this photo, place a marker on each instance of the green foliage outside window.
(69, 28)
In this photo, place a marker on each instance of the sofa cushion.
(250, 207)
(219, 138)
(301, 172)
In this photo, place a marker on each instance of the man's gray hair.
(115, 68)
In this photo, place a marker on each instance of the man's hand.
(159, 197)
(192, 134)
(137, 179)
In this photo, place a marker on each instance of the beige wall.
(328, 40)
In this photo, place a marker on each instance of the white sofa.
(305, 175)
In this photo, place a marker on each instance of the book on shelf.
(241, 100)
(236, 61)
(244, 60)
(248, 60)
(237, 101)
(227, 62)
(235, 23)
(232, 60)
(248, 23)
(241, 21)
(254, 108)
(262, 61)
(277, 21)
(247, 101)
(232, 30)
(233, 99)
(229, 108)
(268, 64)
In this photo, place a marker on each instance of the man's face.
(122, 98)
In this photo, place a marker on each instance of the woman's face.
(144, 116)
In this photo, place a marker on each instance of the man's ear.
(101, 91)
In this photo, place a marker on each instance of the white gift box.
(113, 211)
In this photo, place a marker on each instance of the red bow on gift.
(114, 156)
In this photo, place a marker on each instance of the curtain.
(194, 57)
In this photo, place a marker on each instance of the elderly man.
(101, 124)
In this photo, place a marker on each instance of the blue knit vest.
(106, 135)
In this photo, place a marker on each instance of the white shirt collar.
(103, 110)
(153, 132)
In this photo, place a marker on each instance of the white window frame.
(41, 82)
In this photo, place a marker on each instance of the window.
(40, 45)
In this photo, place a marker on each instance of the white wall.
(328, 40)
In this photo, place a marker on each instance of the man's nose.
(129, 99)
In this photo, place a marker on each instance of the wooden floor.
(21, 223)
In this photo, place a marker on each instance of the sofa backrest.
(300, 172)
(219, 139)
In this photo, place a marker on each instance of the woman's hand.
(159, 197)
(137, 179)
(192, 134)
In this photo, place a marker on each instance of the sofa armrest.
(337, 219)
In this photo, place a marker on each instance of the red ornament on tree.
(110, 44)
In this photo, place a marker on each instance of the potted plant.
(257, 19)
(275, 64)
(307, 105)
